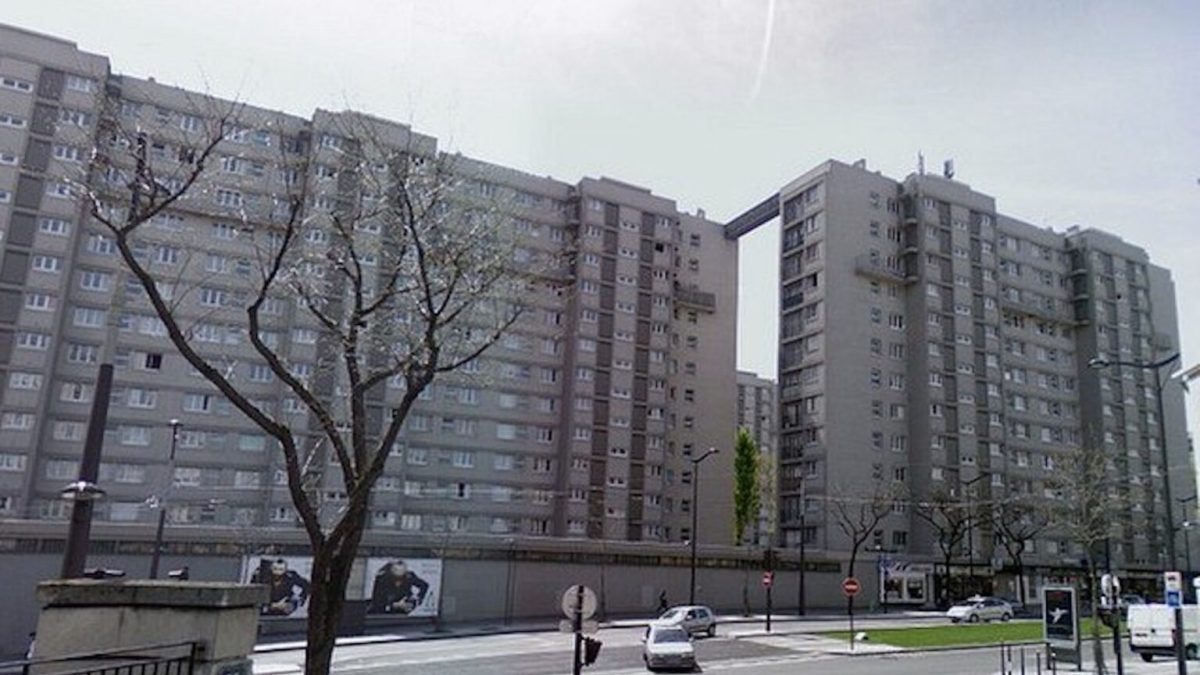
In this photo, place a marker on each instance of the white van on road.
(1150, 628)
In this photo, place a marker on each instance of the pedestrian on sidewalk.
(662, 602)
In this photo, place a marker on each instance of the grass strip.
(955, 635)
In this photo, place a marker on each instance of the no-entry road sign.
(851, 587)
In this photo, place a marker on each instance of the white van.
(1150, 628)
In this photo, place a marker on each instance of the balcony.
(867, 267)
(698, 299)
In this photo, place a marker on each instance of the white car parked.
(668, 646)
(978, 608)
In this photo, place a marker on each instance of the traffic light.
(591, 649)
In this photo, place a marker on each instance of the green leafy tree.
(746, 497)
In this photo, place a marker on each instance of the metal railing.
(177, 658)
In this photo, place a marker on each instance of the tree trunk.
(1020, 580)
(746, 593)
(853, 563)
(327, 594)
(946, 581)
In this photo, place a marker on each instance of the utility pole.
(800, 611)
(162, 500)
(695, 509)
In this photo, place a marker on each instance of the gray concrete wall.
(472, 590)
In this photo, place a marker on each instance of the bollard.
(1039, 663)
(1022, 661)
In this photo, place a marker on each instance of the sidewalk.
(781, 625)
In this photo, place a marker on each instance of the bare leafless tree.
(1087, 503)
(1017, 521)
(403, 262)
(950, 517)
(858, 511)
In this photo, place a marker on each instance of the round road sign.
(851, 587)
(570, 602)
(768, 579)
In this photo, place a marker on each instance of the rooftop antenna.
(920, 163)
(948, 168)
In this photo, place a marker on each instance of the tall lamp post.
(696, 507)
(1188, 521)
(800, 600)
(971, 527)
(1101, 362)
(160, 500)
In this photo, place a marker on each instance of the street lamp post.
(162, 506)
(696, 507)
(803, 509)
(971, 528)
(1103, 362)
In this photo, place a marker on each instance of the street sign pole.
(1173, 588)
(850, 588)
(768, 581)
(578, 663)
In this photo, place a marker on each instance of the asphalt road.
(735, 650)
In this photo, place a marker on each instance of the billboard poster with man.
(403, 586)
(286, 578)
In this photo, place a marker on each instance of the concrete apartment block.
(930, 342)
(573, 426)
(758, 412)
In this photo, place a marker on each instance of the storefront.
(905, 583)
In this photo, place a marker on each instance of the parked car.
(1128, 600)
(978, 608)
(695, 619)
(1151, 627)
(668, 646)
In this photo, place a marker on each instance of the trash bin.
(354, 618)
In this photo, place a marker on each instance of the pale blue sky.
(1067, 111)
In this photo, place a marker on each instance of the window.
(7, 120)
(12, 462)
(15, 84)
(100, 244)
(134, 435)
(201, 403)
(47, 263)
(54, 226)
(231, 198)
(39, 302)
(142, 398)
(92, 280)
(76, 118)
(251, 442)
(89, 317)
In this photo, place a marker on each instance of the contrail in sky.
(766, 48)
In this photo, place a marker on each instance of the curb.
(293, 645)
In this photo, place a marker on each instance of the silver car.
(668, 646)
(978, 608)
(695, 619)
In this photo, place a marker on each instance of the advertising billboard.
(286, 577)
(403, 586)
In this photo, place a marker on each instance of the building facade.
(757, 413)
(929, 342)
(579, 423)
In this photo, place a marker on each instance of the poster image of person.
(403, 587)
(286, 583)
